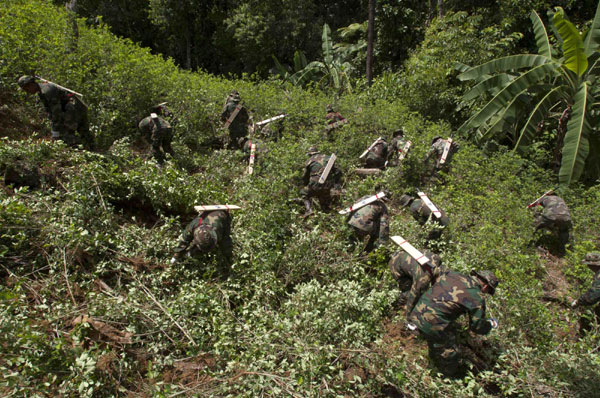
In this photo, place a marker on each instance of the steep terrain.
(90, 306)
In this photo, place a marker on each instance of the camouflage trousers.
(444, 352)
(161, 145)
(375, 163)
(237, 133)
(359, 235)
(561, 227)
(75, 127)
(323, 193)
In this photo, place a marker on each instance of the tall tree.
(370, 41)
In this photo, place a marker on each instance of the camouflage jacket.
(592, 296)
(396, 146)
(380, 151)
(454, 294)
(54, 99)
(314, 168)
(555, 208)
(218, 220)
(240, 121)
(333, 117)
(437, 150)
(151, 127)
(422, 213)
(403, 265)
(371, 218)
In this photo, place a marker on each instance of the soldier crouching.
(435, 314)
(205, 233)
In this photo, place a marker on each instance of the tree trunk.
(430, 15)
(370, 40)
(73, 35)
(440, 5)
(561, 131)
(188, 49)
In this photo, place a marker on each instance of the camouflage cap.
(405, 200)
(205, 238)
(434, 259)
(592, 258)
(329, 108)
(25, 80)
(437, 137)
(398, 133)
(312, 150)
(489, 277)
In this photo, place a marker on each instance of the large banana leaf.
(576, 146)
(508, 93)
(504, 64)
(327, 46)
(592, 37)
(490, 84)
(280, 69)
(575, 58)
(541, 35)
(299, 60)
(537, 115)
(502, 118)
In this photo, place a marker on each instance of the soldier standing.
(555, 218)
(421, 213)
(413, 278)
(159, 133)
(236, 118)
(67, 112)
(209, 230)
(324, 192)
(371, 220)
(437, 310)
(592, 295)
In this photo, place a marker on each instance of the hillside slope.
(89, 305)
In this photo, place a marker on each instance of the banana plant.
(526, 88)
(330, 72)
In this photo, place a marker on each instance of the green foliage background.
(298, 313)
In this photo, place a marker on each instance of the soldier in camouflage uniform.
(378, 155)
(423, 214)
(435, 314)
(396, 146)
(211, 229)
(67, 112)
(325, 192)
(413, 278)
(159, 133)
(592, 295)
(555, 218)
(371, 220)
(333, 117)
(434, 157)
(238, 129)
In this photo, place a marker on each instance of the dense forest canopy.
(91, 304)
(240, 36)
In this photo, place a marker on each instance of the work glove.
(574, 304)
(493, 322)
(173, 260)
(411, 326)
